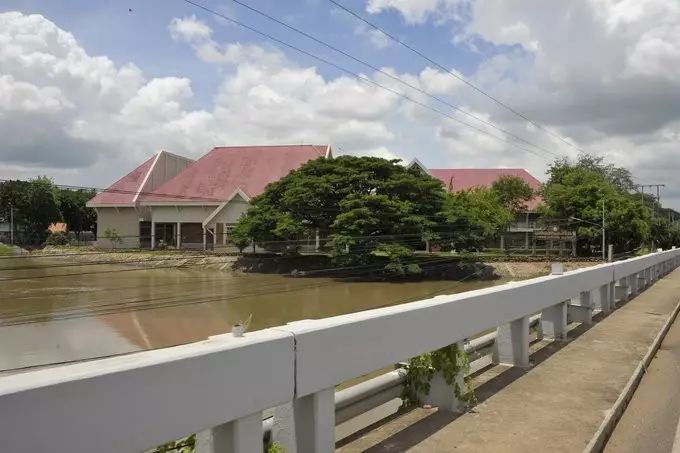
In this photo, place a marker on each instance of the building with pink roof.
(520, 233)
(193, 204)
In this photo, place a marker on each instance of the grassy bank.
(6, 250)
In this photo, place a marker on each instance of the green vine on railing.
(451, 361)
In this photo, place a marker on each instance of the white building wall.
(126, 223)
(187, 214)
(232, 211)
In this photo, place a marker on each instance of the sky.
(89, 90)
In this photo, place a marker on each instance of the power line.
(387, 74)
(457, 76)
(359, 77)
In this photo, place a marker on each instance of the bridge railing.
(135, 402)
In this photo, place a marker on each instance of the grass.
(5, 250)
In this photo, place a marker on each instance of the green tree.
(360, 202)
(578, 190)
(471, 217)
(112, 235)
(78, 217)
(42, 206)
(512, 192)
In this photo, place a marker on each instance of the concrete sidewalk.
(650, 421)
(556, 405)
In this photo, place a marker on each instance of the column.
(239, 436)
(633, 283)
(153, 235)
(315, 422)
(179, 235)
(442, 394)
(603, 302)
(317, 240)
(205, 245)
(554, 321)
(526, 240)
(512, 343)
(621, 290)
(581, 311)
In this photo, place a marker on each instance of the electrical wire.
(387, 74)
(359, 77)
(453, 74)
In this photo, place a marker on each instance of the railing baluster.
(243, 435)
(315, 422)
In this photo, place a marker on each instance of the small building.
(174, 201)
(520, 233)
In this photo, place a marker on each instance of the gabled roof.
(219, 174)
(456, 179)
(153, 172)
(123, 191)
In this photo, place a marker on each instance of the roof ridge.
(269, 146)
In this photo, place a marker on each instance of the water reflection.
(72, 312)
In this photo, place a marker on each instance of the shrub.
(61, 238)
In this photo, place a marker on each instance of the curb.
(599, 439)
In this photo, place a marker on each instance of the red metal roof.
(217, 175)
(122, 192)
(456, 179)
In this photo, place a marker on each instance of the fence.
(133, 403)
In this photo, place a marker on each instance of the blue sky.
(105, 88)
(141, 36)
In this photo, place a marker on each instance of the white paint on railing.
(134, 402)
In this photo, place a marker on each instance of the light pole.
(604, 252)
(11, 224)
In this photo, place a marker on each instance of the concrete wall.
(124, 220)
(232, 211)
(190, 214)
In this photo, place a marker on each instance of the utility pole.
(604, 246)
(651, 186)
(11, 224)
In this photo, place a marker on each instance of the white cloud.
(417, 11)
(189, 29)
(375, 37)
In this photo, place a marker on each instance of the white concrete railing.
(133, 403)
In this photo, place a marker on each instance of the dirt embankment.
(140, 258)
(523, 270)
(303, 265)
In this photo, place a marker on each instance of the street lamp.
(604, 257)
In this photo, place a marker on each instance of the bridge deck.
(555, 405)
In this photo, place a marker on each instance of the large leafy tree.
(35, 205)
(471, 217)
(577, 190)
(78, 217)
(361, 203)
(512, 192)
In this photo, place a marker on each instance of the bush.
(61, 238)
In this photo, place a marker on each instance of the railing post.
(633, 284)
(582, 311)
(315, 422)
(554, 321)
(283, 427)
(243, 435)
(603, 302)
(512, 343)
(441, 394)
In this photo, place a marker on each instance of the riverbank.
(438, 266)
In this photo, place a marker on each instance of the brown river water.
(53, 311)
